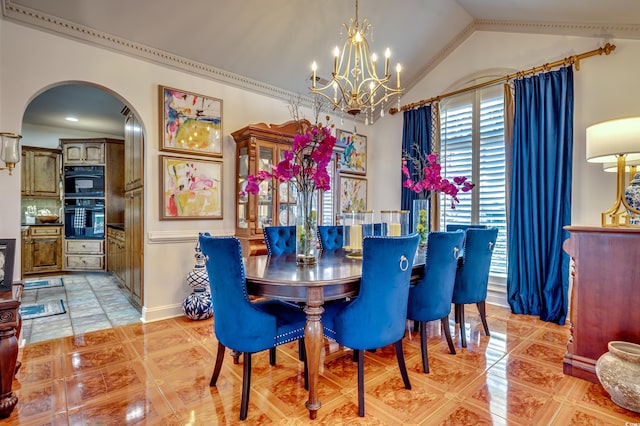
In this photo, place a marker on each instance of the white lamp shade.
(609, 139)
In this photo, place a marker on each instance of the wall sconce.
(11, 152)
(616, 141)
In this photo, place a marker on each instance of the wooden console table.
(605, 295)
(10, 324)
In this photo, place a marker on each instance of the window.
(472, 144)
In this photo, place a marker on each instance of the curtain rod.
(575, 59)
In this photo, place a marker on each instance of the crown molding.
(91, 36)
(604, 31)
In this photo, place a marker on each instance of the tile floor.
(158, 374)
(93, 301)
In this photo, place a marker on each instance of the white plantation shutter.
(472, 144)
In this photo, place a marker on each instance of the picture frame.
(191, 188)
(7, 259)
(190, 123)
(353, 158)
(353, 194)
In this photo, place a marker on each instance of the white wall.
(36, 61)
(605, 88)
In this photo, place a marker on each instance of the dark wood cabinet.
(605, 295)
(134, 153)
(134, 237)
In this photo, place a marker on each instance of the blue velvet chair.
(280, 239)
(240, 325)
(430, 298)
(330, 237)
(377, 316)
(451, 227)
(472, 277)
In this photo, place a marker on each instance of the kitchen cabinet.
(40, 172)
(79, 152)
(134, 152)
(258, 147)
(41, 249)
(84, 255)
(134, 237)
(116, 254)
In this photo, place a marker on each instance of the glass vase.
(356, 226)
(420, 215)
(306, 229)
(397, 222)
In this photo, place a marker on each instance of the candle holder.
(397, 222)
(356, 226)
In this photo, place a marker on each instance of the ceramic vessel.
(619, 373)
(632, 196)
(198, 305)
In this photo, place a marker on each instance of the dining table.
(335, 276)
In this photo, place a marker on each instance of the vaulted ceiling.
(270, 45)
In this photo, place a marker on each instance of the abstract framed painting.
(353, 194)
(191, 123)
(7, 258)
(191, 188)
(354, 157)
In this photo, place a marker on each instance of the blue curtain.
(537, 278)
(416, 130)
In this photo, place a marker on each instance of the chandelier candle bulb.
(336, 54)
(314, 67)
(387, 55)
(398, 69)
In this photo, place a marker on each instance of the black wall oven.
(84, 218)
(83, 181)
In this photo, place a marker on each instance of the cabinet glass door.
(265, 195)
(243, 200)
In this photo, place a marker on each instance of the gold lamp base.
(621, 214)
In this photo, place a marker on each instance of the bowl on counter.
(52, 218)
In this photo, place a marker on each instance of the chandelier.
(355, 86)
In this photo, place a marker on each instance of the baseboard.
(161, 312)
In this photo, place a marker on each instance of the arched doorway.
(85, 113)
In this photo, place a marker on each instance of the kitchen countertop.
(119, 226)
(43, 224)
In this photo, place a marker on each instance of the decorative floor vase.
(421, 219)
(306, 229)
(619, 373)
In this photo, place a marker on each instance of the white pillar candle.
(394, 230)
(355, 237)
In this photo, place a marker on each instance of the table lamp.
(615, 141)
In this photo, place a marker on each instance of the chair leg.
(423, 346)
(483, 316)
(236, 357)
(272, 356)
(463, 332)
(246, 385)
(218, 365)
(401, 364)
(447, 333)
(360, 383)
(301, 352)
(355, 355)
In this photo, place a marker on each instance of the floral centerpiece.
(305, 165)
(426, 180)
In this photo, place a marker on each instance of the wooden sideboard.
(605, 298)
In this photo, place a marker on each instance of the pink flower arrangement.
(305, 163)
(429, 179)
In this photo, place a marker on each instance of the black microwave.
(83, 181)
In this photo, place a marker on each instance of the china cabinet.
(258, 147)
